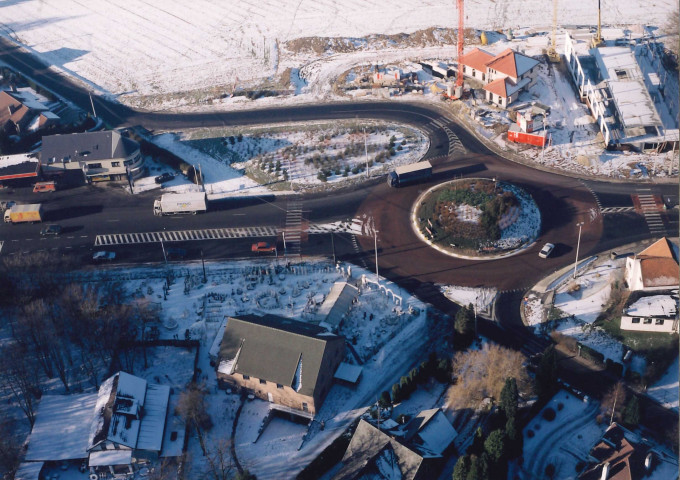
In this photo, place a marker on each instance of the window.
(647, 321)
(263, 382)
(483, 77)
(246, 377)
(659, 321)
(635, 320)
(115, 164)
(305, 407)
(127, 162)
(278, 385)
(94, 165)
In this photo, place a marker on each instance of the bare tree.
(613, 402)
(35, 328)
(18, 374)
(219, 463)
(482, 373)
(192, 410)
(10, 448)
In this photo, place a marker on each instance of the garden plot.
(560, 435)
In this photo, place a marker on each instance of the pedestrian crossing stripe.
(184, 235)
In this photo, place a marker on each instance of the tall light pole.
(165, 257)
(92, 103)
(366, 152)
(375, 239)
(578, 244)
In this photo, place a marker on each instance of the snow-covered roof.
(214, 351)
(431, 431)
(61, 427)
(619, 67)
(337, 303)
(110, 457)
(173, 447)
(153, 422)
(29, 471)
(347, 372)
(654, 306)
(118, 411)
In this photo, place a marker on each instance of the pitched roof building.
(374, 454)
(654, 268)
(105, 155)
(284, 361)
(20, 111)
(504, 76)
(430, 432)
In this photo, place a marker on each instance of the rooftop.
(88, 146)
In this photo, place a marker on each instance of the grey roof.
(369, 448)
(272, 348)
(337, 303)
(88, 146)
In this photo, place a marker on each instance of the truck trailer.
(180, 203)
(408, 174)
(24, 213)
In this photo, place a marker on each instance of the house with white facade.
(654, 268)
(103, 155)
(651, 312)
(504, 76)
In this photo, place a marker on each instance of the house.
(651, 312)
(614, 457)
(112, 431)
(284, 361)
(504, 76)
(654, 268)
(336, 305)
(103, 155)
(430, 432)
(374, 454)
(22, 111)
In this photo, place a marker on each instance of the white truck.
(180, 203)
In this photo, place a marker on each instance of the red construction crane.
(461, 39)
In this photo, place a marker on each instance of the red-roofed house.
(505, 75)
(654, 268)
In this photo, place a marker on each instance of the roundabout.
(476, 219)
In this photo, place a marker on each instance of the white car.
(546, 250)
(103, 256)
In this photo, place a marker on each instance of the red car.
(263, 247)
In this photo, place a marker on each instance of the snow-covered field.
(133, 48)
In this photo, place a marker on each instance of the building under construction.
(628, 89)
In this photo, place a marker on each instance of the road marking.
(1, 244)
(185, 235)
(114, 220)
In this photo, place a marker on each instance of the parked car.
(51, 230)
(175, 253)
(263, 247)
(546, 250)
(165, 177)
(103, 256)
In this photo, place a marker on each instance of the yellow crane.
(553, 56)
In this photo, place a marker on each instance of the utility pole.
(366, 152)
(333, 247)
(375, 239)
(92, 103)
(578, 244)
(205, 278)
(284, 242)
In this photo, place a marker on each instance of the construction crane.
(597, 40)
(553, 56)
(458, 93)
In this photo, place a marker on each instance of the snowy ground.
(480, 298)
(665, 390)
(567, 439)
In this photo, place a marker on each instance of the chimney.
(605, 471)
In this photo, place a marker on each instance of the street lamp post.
(375, 239)
(578, 245)
(366, 153)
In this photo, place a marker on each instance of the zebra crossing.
(293, 230)
(617, 210)
(184, 235)
(650, 211)
(1, 244)
(455, 145)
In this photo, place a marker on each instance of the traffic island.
(476, 218)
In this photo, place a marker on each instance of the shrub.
(549, 414)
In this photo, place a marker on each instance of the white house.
(654, 268)
(430, 432)
(651, 312)
(504, 76)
